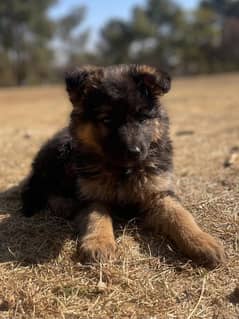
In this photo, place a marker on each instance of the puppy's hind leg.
(33, 195)
(95, 228)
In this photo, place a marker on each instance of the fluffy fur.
(115, 152)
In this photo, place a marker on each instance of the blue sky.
(99, 11)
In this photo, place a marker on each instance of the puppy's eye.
(142, 118)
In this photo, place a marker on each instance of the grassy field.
(40, 276)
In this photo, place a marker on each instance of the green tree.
(25, 30)
(149, 35)
(166, 18)
(72, 39)
(225, 8)
(200, 41)
(227, 12)
(205, 39)
(116, 37)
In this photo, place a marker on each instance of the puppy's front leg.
(167, 215)
(95, 227)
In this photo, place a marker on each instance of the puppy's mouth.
(121, 160)
(126, 168)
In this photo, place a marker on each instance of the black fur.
(122, 102)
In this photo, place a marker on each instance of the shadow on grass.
(32, 240)
(39, 239)
(234, 296)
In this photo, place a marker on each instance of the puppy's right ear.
(75, 83)
(80, 81)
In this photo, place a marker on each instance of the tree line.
(36, 48)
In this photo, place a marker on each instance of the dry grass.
(39, 274)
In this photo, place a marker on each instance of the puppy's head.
(116, 110)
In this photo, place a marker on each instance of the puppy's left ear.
(152, 79)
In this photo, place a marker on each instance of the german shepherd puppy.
(116, 152)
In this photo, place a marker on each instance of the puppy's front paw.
(96, 249)
(204, 249)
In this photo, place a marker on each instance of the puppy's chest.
(133, 188)
(110, 188)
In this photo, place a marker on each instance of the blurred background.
(40, 39)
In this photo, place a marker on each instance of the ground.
(40, 276)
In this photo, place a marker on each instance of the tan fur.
(146, 69)
(158, 131)
(167, 215)
(87, 134)
(106, 187)
(97, 238)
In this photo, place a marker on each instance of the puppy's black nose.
(135, 151)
